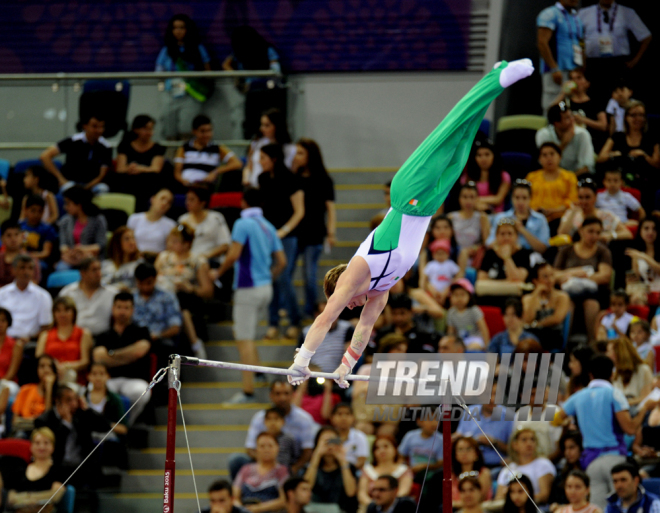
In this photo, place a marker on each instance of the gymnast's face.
(357, 301)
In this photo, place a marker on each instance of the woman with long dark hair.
(319, 193)
(139, 160)
(518, 495)
(484, 168)
(646, 268)
(123, 257)
(284, 207)
(183, 98)
(468, 460)
(570, 448)
(578, 364)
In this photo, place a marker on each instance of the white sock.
(516, 70)
(303, 357)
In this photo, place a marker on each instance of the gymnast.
(418, 189)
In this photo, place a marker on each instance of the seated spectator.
(554, 189)
(644, 285)
(584, 271)
(199, 160)
(298, 424)
(441, 227)
(464, 318)
(471, 225)
(288, 449)
(467, 461)
(30, 305)
(257, 485)
(533, 229)
(547, 436)
(421, 449)
(11, 353)
(587, 112)
(387, 497)
(73, 422)
(124, 349)
(69, 344)
(140, 161)
(82, 229)
(187, 276)
(102, 401)
(647, 441)
(628, 491)
(156, 309)
(570, 448)
(151, 228)
(470, 491)
(88, 157)
(315, 398)
(403, 324)
(221, 499)
(34, 181)
(639, 333)
(615, 323)
(451, 344)
(123, 257)
(616, 106)
(574, 141)
(333, 479)
(578, 363)
(384, 463)
(505, 265)
(631, 375)
(576, 488)
(93, 299)
(12, 239)
(506, 341)
(571, 221)
(212, 237)
(518, 495)
(497, 430)
(272, 130)
(427, 312)
(39, 237)
(297, 494)
(484, 168)
(545, 309)
(355, 442)
(525, 460)
(614, 200)
(441, 271)
(42, 477)
(636, 150)
(35, 398)
(329, 354)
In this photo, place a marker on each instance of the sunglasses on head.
(471, 473)
(506, 221)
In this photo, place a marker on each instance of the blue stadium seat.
(471, 275)
(652, 485)
(566, 331)
(517, 164)
(22, 165)
(4, 168)
(68, 501)
(485, 127)
(60, 279)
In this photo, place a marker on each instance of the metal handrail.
(137, 75)
(169, 144)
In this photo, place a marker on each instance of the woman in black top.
(284, 207)
(319, 193)
(139, 160)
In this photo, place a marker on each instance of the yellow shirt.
(560, 192)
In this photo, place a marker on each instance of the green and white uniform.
(423, 182)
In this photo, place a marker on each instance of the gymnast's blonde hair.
(331, 277)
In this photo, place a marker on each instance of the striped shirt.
(197, 164)
(329, 353)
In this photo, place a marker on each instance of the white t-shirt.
(618, 203)
(535, 470)
(288, 149)
(210, 233)
(441, 274)
(356, 446)
(150, 237)
(30, 309)
(622, 322)
(614, 109)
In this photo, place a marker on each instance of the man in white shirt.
(574, 141)
(619, 202)
(31, 307)
(93, 300)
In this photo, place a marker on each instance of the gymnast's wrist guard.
(303, 357)
(350, 358)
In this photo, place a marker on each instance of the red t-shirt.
(6, 353)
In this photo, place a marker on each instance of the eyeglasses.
(471, 473)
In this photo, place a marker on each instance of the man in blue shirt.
(630, 496)
(603, 416)
(560, 35)
(258, 255)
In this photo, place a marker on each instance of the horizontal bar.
(42, 145)
(137, 75)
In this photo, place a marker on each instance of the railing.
(137, 75)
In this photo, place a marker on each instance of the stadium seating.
(116, 201)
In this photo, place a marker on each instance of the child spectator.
(616, 107)
(422, 451)
(506, 341)
(440, 271)
(576, 488)
(484, 168)
(12, 246)
(615, 324)
(274, 422)
(40, 238)
(441, 228)
(355, 442)
(639, 333)
(471, 226)
(464, 318)
(570, 449)
(614, 200)
(102, 401)
(33, 181)
(518, 496)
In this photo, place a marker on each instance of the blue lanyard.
(616, 6)
(569, 24)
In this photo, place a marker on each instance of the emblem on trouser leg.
(413, 202)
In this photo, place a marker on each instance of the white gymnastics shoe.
(515, 70)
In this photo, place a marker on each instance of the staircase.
(216, 430)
